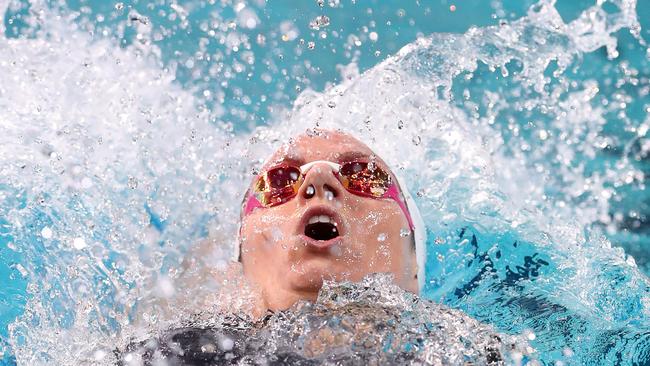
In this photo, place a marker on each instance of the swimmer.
(323, 207)
(326, 207)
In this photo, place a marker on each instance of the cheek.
(376, 231)
(374, 222)
(266, 233)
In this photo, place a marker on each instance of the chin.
(309, 274)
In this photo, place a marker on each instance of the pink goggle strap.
(393, 193)
(251, 204)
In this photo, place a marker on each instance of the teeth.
(322, 218)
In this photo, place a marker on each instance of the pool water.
(128, 129)
(369, 322)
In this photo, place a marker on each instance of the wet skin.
(285, 265)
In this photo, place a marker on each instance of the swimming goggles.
(281, 183)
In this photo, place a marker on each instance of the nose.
(320, 182)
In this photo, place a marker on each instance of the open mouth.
(321, 227)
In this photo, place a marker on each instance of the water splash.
(349, 323)
(508, 157)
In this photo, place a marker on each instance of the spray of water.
(111, 172)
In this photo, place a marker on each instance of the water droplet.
(226, 344)
(417, 140)
(329, 195)
(373, 36)
(311, 45)
(23, 272)
(135, 17)
(99, 355)
(331, 104)
(452, 8)
(404, 232)
(377, 53)
(260, 39)
(529, 334)
(79, 243)
(336, 250)
(132, 183)
(543, 135)
(320, 3)
(276, 234)
(86, 182)
(165, 287)
(381, 237)
(208, 348)
(400, 124)
(119, 6)
(319, 21)
(47, 233)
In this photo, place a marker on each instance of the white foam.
(96, 136)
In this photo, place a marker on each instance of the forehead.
(324, 146)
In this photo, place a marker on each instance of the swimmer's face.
(278, 254)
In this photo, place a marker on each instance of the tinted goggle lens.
(277, 185)
(359, 178)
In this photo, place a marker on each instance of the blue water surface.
(250, 99)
